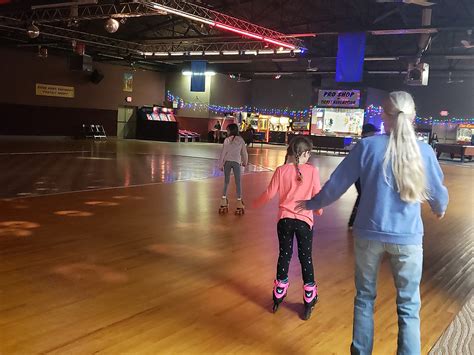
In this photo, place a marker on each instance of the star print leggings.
(287, 228)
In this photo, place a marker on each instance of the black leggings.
(287, 228)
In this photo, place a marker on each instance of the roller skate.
(240, 208)
(310, 298)
(280, 289)
(224, 208)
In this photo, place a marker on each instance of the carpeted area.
(458, 338)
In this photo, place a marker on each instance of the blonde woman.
(397, 173)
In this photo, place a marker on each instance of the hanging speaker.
(96, 76)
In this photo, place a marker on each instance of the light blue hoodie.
(381, 214)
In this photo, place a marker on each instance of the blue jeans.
(407, 263)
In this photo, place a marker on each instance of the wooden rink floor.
(116, 247)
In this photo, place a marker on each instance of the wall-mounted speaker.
(96, 76)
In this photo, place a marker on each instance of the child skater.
(233, 155)
(292, 181)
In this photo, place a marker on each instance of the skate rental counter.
(335, 119)
(157, 123)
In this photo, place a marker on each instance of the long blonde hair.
(403, 151)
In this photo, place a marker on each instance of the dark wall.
(226, 91)
(21, 70)
(53, 121)
(457, 98)
(292, 93)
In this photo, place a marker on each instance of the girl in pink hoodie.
(294, 181)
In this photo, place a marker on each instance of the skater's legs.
(304, 238)
(236, 171)
(227, 168)
(286, 232)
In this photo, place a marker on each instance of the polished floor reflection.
(48, 172)
(153, 268)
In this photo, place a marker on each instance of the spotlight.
(277, 76)
(111, 25)
(33, 31)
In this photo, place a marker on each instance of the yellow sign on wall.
(55, 90)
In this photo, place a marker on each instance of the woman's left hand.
(301, 205)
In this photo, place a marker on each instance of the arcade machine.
(157, 123)
(299, 125)
(278, 127)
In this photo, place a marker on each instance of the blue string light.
(196, 106)
(374, 113)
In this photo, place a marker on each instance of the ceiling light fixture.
(230, 52)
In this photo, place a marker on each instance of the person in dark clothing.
(367, 130)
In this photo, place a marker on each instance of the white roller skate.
(224, 208)
(240, 208)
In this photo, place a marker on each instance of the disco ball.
(111, 25)
(33, 31)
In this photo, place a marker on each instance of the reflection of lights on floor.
(14, 232)
(17, 228)
(19, 224)
(181, 250)
(101, 203)
(120, 197)
(73, 213)
(80, 271)
(20, 206)
(23, 194)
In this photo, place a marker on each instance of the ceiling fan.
(451, 81)
(243, 80)
(310, 68)
(413, 2)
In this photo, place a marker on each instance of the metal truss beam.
(139, 8)
(111, 44)
(202, 46)
(222, 21)
(69, 34)
(84, 13)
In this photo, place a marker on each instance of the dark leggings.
(287, 228)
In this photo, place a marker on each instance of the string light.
(374, 113)
(197, 106)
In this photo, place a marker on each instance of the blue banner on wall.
(198, 78)
(350, 57)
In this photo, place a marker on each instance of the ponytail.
(298, 146)
(403, 151)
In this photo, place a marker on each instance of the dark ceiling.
(452, 21)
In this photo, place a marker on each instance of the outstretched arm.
(271, 191)
(341, 179)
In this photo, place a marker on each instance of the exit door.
(126, 122)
